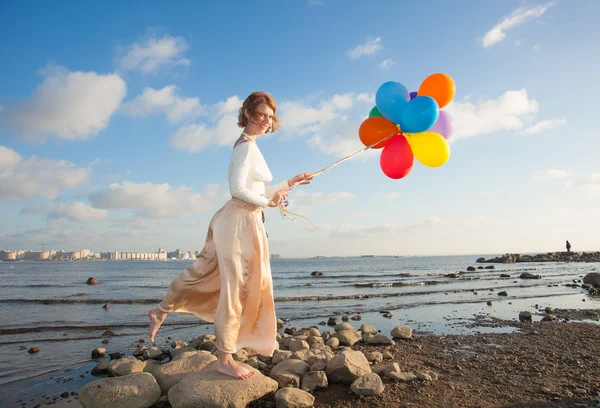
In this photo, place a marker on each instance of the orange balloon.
(374, 129)
(440, 87)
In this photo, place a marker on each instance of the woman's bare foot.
(232, 369)
(156, 319)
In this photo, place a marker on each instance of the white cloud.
(298, 118)
(33, 177)
(537, 47)
(505, 113)
(591, 181)
(166, 101)
(544, 125)
(551, 174)
(370, 47)
(517, 17)
(158, 200)
(69, 105)
(393, 195)
(78, 212)
(386, 64)
(366, 97)
(151, 54)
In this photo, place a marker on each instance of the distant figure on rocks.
(568, 246)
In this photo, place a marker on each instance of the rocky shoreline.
(547, 257)
(348, 368)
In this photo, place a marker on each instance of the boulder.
(381, 339)
(314, 380)
(480, 260)
(98, 352)
(333, 321)
(169, 374)
(293, 398)
(209, 389)
(374, 357)
(280, 355)
(365, 328)
(471, 268)
(348, 337)
(289, 372)
(527, 275)
(525, 316)
(592, 278)
(402, 332)
(368, 385)
(347, 366)
(129, 391)
(343, 326)
(316, 273)
(333, 342)
(92, 281)
(126, 366)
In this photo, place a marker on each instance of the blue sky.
(116, 123)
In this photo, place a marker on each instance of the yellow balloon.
(429, 148)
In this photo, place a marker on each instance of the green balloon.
(374, 112)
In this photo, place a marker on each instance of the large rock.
(171, 373)
(209, 389)
(592, 278)
(293, 398)
(280, 355)
(347, 337)
(314, 380)
(368, 385)
(130, 391)
(381, 339)
(402, 332)
(365, 328)
(289, 372)
(92, 281)
(343, 326)
(347, 366)
(126, 366)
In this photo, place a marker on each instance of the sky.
(117, 123)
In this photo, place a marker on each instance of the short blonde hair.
(251, 104)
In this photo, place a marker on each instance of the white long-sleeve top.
(248, 172)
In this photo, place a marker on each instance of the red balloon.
(397, 158)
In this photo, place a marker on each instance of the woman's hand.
(302, 178)
(277, 197)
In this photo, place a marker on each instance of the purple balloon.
(444, 125)
(413, 95)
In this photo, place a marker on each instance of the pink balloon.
(397, 158)
(444, 125)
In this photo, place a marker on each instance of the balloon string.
(292, 216)
(352, 155)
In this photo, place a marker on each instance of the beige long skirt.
(230, 282)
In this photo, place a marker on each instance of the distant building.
(275, 256)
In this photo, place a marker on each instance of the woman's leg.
(228, 366)
(194, 291)
(157, 317)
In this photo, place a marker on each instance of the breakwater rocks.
(548, 257)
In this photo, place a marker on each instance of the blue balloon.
(420, 114)
(391, 99)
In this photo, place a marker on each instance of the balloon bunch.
(408, 125)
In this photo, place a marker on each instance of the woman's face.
(262, 119)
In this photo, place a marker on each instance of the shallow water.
(49, 305)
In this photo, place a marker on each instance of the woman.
(230, 282)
